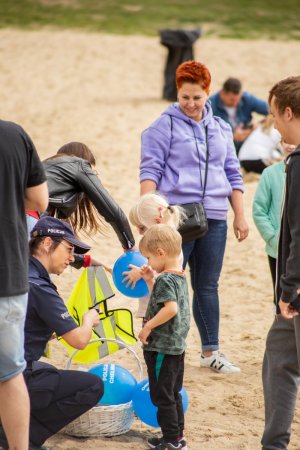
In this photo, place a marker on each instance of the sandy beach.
(104, 90)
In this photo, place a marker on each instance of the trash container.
(180, 48)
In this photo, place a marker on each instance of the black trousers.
(255, 165)
(57, 397)
(272, 265)
(165, 374)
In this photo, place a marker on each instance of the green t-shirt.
(169, 338)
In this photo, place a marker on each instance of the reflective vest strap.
(99, 329)
(92, 288)
(103, 281)
(114, 327)
(98, 273)
(103, 349)
(107, 328)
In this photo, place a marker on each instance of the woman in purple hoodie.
(174, 150)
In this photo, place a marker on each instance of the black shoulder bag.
(194, 224)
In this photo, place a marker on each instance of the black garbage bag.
(180, 48)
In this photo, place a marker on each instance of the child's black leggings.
(165, 374)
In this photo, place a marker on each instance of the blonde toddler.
(151, 209)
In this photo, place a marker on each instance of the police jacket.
(69, 179)
(288, 274)
(46, 312)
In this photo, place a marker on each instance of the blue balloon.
(122, 265)
(119, 383)
(143, 406)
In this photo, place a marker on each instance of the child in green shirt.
(165, 329)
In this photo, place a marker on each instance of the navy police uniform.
(57, 397)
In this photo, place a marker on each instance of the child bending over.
(151, 209)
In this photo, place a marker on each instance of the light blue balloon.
(143, 406)
(119, 383)
(122, 265)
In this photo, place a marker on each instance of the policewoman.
(57, 397)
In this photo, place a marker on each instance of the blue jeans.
(205, 258)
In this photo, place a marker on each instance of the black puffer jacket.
(69, 178)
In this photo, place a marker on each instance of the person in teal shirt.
(267, 206)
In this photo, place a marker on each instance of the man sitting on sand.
(236, 108)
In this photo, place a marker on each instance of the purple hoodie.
(170, 159)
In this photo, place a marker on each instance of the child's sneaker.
(219, 363)
(183, 443)
(168, 446)
(155, 441)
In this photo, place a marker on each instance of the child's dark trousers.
(165, 374)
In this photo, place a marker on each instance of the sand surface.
(104, 90)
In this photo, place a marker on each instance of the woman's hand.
(128, 249)
(91, 318)
(240, 228)
(132, 276)
(95, 263)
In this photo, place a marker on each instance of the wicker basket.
(104, 420)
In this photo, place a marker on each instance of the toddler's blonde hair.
(133, 216)
(153, 206)
(161, 236)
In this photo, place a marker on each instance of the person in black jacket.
(77, 195)
(281, 366)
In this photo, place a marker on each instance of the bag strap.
(206, 159)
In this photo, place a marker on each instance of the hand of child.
(144, 333)
(132, 276)
(147, 273)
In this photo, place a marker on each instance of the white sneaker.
(219, 363)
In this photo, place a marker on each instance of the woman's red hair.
(193, 72)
